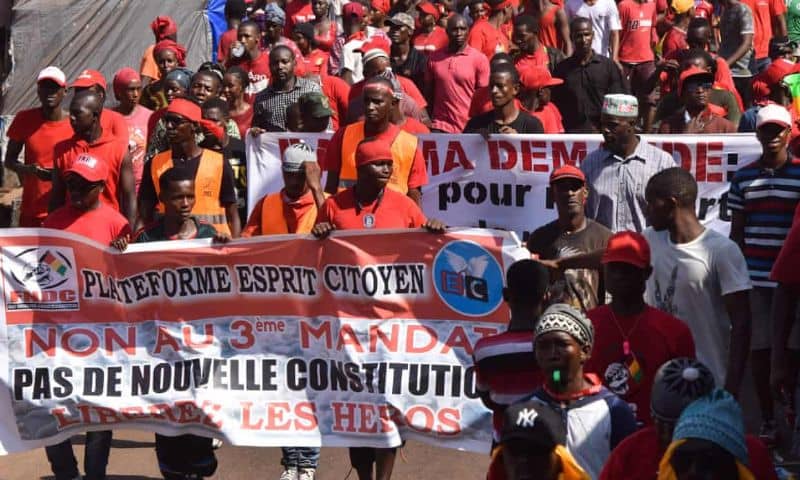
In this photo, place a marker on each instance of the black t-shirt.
(413, 67)
(580, 288)
(227, 191)
(524, 123)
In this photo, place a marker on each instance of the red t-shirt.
(674, 41)
(548, 35)
(391, 210)
(455, 78)
(114, 122)
(550, 118)
(414, 127)
(225, 41)
(487, 39)
(639, 454)
(106, 148)
(40, 137)
(417, 177)
(654, 337)
(297, 11)
(763, 12)
(316, 62)
(103, 224)
(638, 33)
(243, 121)
(338, 93)
(785, 270)
(257, 74)
(538, 58)
(138, 133)
(430, 42)
(703, 9)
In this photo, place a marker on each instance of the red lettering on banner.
(369, 418)
(306, 417)
(344, 417)
(485, 331)
(715, 160)
(61, 420)
(348, 337)
(207, 341)
(246, 423)
(188, 411)
(561, 157)
(284, 143)
(681, 153)
(324, 331)
(385, 413)
(449, 421)
(133, 413)
(245, 332)
(322, 148)
(47, 346)
(111, 336)
(390, 341)
(106, 416)
(458, 338)
(276, 416)
(26, 296)
(163, 338)
(428, 418)
(532, 151)
(494, 154)
(454, 158)
(411, 334)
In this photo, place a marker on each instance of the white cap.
(296, 155)
(53, 73)
(773, 113)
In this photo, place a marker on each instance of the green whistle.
(557, 376)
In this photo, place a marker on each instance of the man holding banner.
(370, 205)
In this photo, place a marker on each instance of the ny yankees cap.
(534, 423)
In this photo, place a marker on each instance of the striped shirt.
(617, 185)
(505, 369)
(269, 109)
(768, 199)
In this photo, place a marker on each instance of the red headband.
(191, 111)
(163, 27)
(173, 46)
(501, 5)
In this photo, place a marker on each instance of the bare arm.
(747, 44)
(737, 305)
(737, 229)
(614, 44)
(313, 174)
(57, 196)
(145, 210)
(347, 76)
(416, 195)
(127, 190)
(779, 26)
(232, 216)
(562, 26)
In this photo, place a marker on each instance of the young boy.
(183, 456)
(596, 420)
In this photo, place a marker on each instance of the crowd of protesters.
(631, 325)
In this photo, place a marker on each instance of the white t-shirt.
(689, 281)
(605, 18)
(351, 59)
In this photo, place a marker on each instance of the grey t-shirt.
(736, 22)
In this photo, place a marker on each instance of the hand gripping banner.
(357, 340)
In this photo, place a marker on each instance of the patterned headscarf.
(561, 317)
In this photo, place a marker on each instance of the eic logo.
(468, 278)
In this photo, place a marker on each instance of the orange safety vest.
(273, 219)
(207, 185)
(404, 148)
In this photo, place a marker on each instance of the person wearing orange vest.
(294, 208)
(215, 194)
(409, 173)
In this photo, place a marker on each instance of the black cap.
(534, 423)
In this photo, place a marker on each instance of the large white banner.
(503, 183)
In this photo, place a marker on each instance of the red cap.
(691, 72)
(567, 171)
(778, 69)
(538, 77)
(370, 151)
(430, 9)
(627, 247)
(353, 9)
(90, 168)
(90, 78)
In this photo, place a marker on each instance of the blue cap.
(717, 418)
